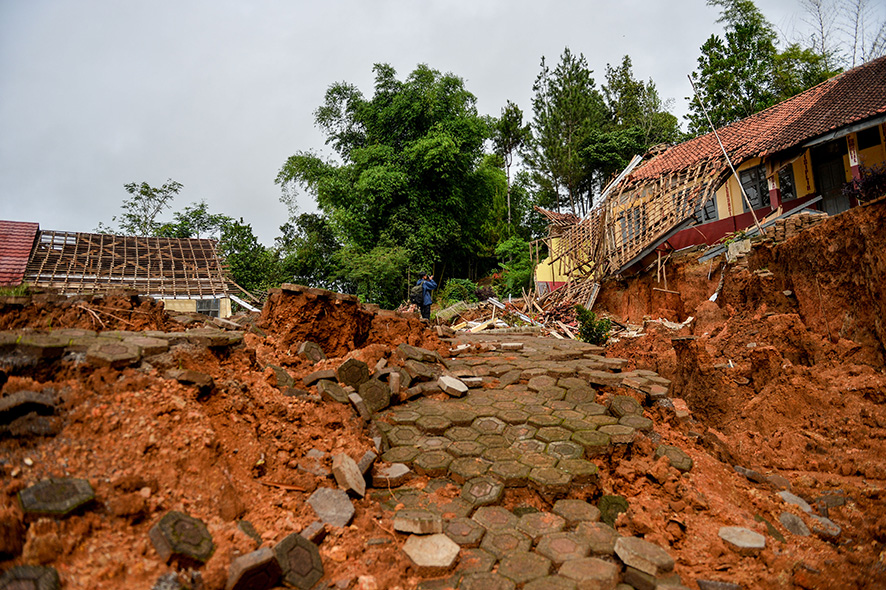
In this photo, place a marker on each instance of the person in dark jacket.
(427, 283)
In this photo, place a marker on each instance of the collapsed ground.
(782, 374)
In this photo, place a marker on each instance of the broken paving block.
(409, 352)
(677, 457)
(182, 538)
(213, 337)
(316, 376)
(647, 557)
(393, 475)
(418, 371)
(43, 346)
(360, 406)
(282, 376)
(332, 506)
(348, 475)
(742, 540)
(149, 346)
(353, 373)
(332, 391)
(366, 461)
(57, 497)
(311, 351)
(432, 555)
(418, 521)
(512, 346)
(299, 561)
(22, 403)
(452, 386)
(376, 395)
(30, 577)
(114, 354)
(202, 381)
(258, 570)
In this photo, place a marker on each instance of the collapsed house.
(187, 275)
(794, 155)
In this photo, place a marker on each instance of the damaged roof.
(16, 240)
(852, 97)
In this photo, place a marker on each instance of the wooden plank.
(566, 329)
(482, 326)
(665, 291)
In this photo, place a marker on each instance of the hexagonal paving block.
(560, 547)
(564, 449)
(503, 542)
(433, 424)
(501, 454)
(507, 405)
(434, 443)
(376, 394)
(569, 414)
(544, 420)
(420, 371)
(512, 474)
(610, 507)
(549, 480)
(432, 555)
(433, 463)
(595, 443)
(524, 567)
(571, 382)
(475, 560)
(618, 434)
(390, 476)
(428, 408)
(535, 460)
(181, 538)
(460, 416)
(400, 436)
(576, 511)
(580, 395)
(540, 382)
(493, 518)
(405, 455)
(417, 520)
(591, 572)
(403, 417)
(493, 440)
(622, 405)
(602, 420)
(466, 448)
(464, 468)
(513, 416)
(636, 422)
(529, 445)
(311, 351)
(647, 557)
(582, 471)
(489, 425)
(600, 536)
(464, 531)
(482, 491)
(677, 457)
(550, 434)
(258, 570)
(538, 524)
(485, 581)
(333, 507)
(591, 408)
(30, 577)
(457, 433)
(113, 353)
(555, 582)
(519, 432)
(57, 497)
(483, 410)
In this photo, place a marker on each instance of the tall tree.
(509, 135)
(567, 108)
(409, 176)
(195, 221)
(140, 210)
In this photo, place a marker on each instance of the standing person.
(427, 285)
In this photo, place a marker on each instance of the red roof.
(16, 240)
(851, 97)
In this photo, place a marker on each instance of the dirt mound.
(118, 310)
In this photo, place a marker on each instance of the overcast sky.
(216, 94)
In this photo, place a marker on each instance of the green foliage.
(18, 291)
(378, 276)
(307, 248)
(869, 186)
(456, 290)
(411, 171)
(195, 221)
(516, 267)
(143, 207)
(743, 72)
(252, 266)
(590, 329)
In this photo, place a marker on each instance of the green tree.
(516, 266)
(635, 104)
(252, 266)
(410, 173)
(194, 221)
(509, 135)
(140, 210)
(567, 107)
(307, 248)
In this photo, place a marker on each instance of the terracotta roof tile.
(851, 97)
(16, 240)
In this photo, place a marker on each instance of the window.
(868, 138)
(633, 223)
(786, 183)
(754, 182)
(210, 307)
(708, 210)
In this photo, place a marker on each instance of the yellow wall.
(876, 155)
(547, 272)
(190, 305)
